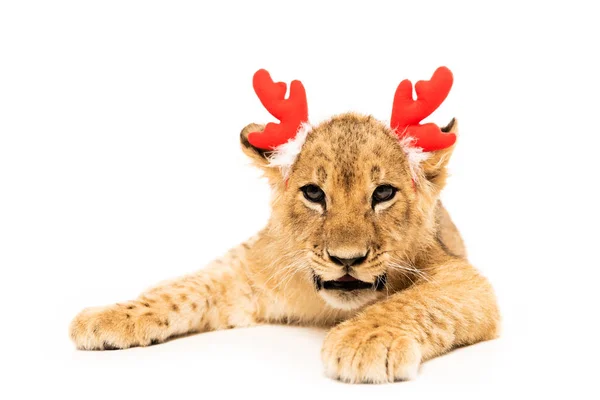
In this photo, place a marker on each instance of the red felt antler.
(291, 112)
(407, 113)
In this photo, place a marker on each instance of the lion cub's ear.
(434, 167)
(259, 157)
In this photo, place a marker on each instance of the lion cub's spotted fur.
(433, 299)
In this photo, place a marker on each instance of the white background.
(120, 166)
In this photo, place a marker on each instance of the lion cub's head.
(353, 206)
(352, 202)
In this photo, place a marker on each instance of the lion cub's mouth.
(348, 283)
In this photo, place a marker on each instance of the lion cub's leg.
(215, 298)
(388, 340)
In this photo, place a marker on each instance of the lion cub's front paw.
(117, 327)
(362, 351)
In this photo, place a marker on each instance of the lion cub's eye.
(383, 193)
(313, 193)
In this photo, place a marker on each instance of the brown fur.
(433, 300)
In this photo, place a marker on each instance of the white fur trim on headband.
(415, 156)
(286, 154)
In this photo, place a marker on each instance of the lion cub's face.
(349, 216)
(350, 206)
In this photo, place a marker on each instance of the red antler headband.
(406, 112)
(291, 112)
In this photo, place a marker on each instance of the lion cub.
(357, 241)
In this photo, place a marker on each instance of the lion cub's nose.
(348, 261)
